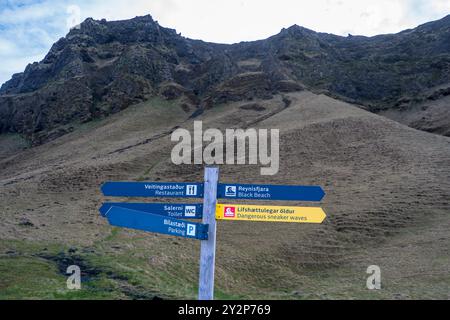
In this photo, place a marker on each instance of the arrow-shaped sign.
(225, 191)
(132, 219)
(173, 210)
(270, 192)
(153, 189)
(269, 213)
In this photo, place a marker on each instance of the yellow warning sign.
(270, 213)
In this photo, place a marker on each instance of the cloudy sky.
(28, 28)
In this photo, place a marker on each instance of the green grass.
(127, 274)
(32, 278)
(127, 271)
(26, 274)
(35, 278)
(29, 274)
(114, 233)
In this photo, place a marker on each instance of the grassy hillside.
(387, 204)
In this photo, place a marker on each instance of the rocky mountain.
(104, 67)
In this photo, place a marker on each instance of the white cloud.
(7, 48)
(11, 65)
(439, 6)
(27, 14)
(238, 20)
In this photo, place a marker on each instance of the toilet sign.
(174, 210)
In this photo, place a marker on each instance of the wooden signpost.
(208, 247)
(169, 218)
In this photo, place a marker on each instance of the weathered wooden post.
(208, 247)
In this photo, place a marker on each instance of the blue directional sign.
(153, 189)
(270, 192)
(132, 219)
(174, 210)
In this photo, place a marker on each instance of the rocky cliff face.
(104, 67)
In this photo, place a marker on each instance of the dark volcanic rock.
(104, 67)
